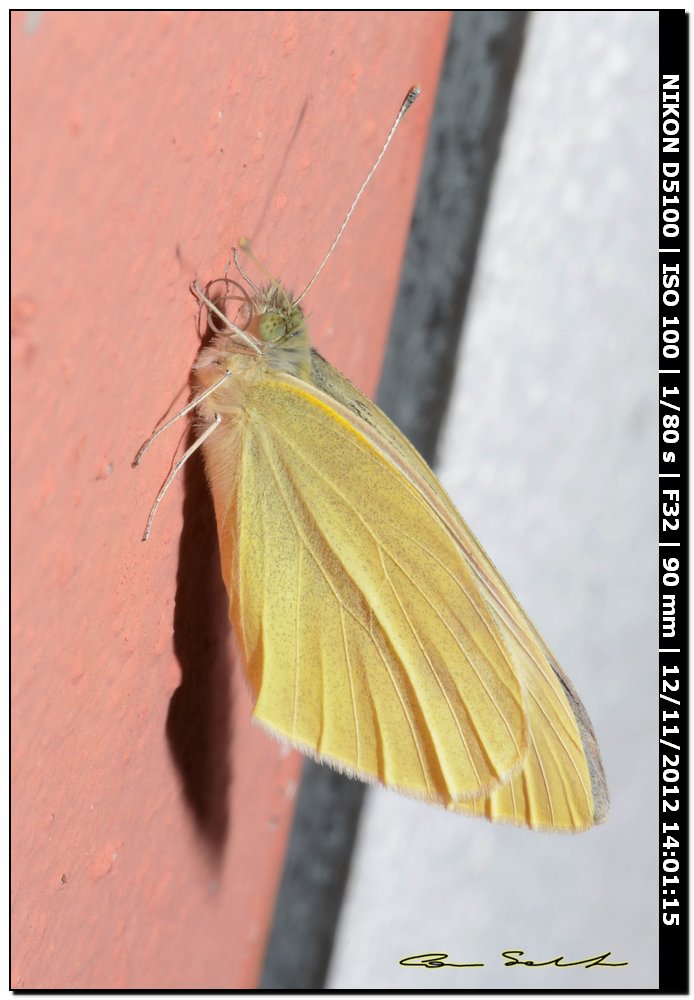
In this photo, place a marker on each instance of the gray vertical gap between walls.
(484, 48)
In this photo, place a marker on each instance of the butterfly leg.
(181, 413)
(179, 465)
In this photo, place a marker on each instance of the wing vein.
(435, 610)
(438, 681)
(558, 740)
(297, 526)
(296, 643)
(474, 565)
(351, 683)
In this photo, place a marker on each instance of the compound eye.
(271, 326)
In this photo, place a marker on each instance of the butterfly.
(375, 633)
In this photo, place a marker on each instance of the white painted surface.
(550, 453)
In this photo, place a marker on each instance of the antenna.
(412, 96)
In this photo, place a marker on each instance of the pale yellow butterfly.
(375, 632)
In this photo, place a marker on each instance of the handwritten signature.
(438, 960)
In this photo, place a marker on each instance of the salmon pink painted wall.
(149, 817)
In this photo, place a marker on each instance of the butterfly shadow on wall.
(198, 725)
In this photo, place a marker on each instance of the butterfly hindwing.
(364, 637)
(375, 632)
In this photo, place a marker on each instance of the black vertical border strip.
(673, 405)
(483, 52)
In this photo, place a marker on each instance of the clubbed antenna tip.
(412, 95)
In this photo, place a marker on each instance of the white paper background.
(550, 453)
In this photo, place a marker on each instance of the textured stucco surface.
(149, 818)
(549, 453)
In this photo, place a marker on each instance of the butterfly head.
(279, 319)
(280, 325)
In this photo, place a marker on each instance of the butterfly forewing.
(562, 784)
